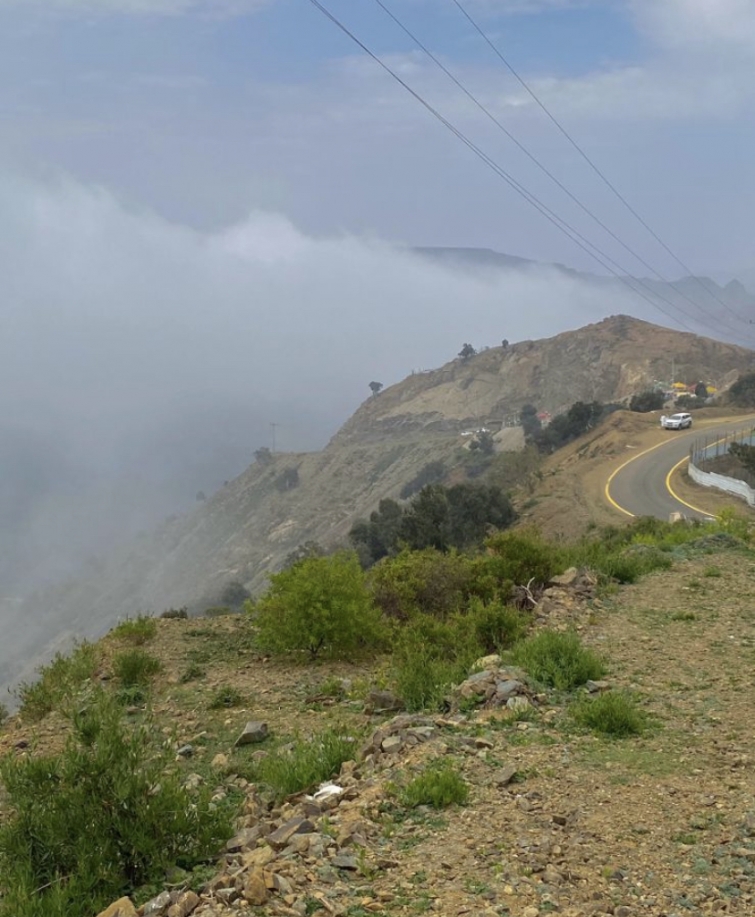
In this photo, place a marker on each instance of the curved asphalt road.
(640, 487)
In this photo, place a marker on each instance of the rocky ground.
(557, 820)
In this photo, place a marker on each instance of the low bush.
(135, 668)
(439, 786)
(524, 556)
(615, 714)
(429, 657)
(496, 627)
(136, 631)
(320, 606)
(64, 677)
(226, 697)
(558, 660)
(304, 764)
(421, 582)
(98, 820)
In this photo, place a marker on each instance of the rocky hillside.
(558, 818)
(250, 526)
(605, 362)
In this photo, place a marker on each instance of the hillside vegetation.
(250, 526)
(500, 733)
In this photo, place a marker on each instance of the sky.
(206, 205)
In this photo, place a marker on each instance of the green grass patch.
(136, 631)
(438, 786)
(615, 714)
(558, 660)
(304, 764)
(63, 678)
(712, 572)
(226, 697)
(192, 672)
(135, 668)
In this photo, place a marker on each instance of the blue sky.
(206, 111)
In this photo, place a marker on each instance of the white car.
(676, 421)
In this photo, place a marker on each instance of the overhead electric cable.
(557, 221)
(603, 177)
(538, 163)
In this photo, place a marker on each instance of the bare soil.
(658, 825)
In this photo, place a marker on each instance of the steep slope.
(605, 362)
(250, 526)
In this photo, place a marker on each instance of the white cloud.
(144, 353)
(708, 24)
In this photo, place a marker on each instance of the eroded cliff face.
(605, 362)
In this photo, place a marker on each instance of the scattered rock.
(298, 825)
(382, 702)
(186, 904)
(253, 733)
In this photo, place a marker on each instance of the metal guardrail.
(706, 448)
(709, 447)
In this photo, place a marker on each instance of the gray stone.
(253, 733)
(157, 906)
(185, 751)
(568, 578)
(391, 744)
(382, 702)
(281, 836)
(507, 689)
(504, 775)
(345, 862)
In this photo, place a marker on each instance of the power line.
(557, 221)
(531, 92)
(538, 163)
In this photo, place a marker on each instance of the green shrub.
(712, 572)
(439, 786)
(524, 556)
(496, 627)
(226, 696)
(135, 668)
(558, 660)
(4, 714)
(305, 764)
(615, 714)
(62, 678)
(435, 583)
(98, 820)
(136, 631)
(429, 657)
(320, 605)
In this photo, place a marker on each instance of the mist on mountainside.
(143, 362)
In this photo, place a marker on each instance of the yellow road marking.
(669, 488)
(613, 474)
(676, 496)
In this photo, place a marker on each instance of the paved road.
(639, 487)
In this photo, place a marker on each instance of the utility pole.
(273, 428)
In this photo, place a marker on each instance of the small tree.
(376, 388)
(742, 393)
(483, 443)
(467, 351)
(701, 390)
(643, 402)
(505, 343)
(234, 594)
(263, 456)
(320, 605)
(530, 421)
